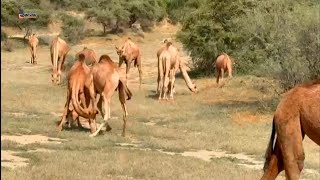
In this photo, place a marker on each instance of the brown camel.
(297, 114)
(58, 51)
(89, 54)
(127, 53)
(106, 79)
(174, 53)
(33, 44)
(223, 63)
(80, 86)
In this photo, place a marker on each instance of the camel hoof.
(108, 128)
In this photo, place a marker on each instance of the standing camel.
(174, 53)
(80, 86)
(127, 53)
(223, 63)
(106, 79)
(58, 51)
(33, 44)
(297, 115)
(89, 54)
(167, 67)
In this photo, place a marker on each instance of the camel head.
(194, 87)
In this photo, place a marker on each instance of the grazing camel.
(297, 115)
(33, 44)
(58, 51)
(89, 55)
(130, 52)
(167, 67)
(106, 79)
(223, 63)
(177, 64)
(80, 86)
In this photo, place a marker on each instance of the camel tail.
(75, 101)
(123, 89)
(269, 150)
(192, 87)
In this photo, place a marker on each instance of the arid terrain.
(218, 133)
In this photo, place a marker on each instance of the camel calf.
(223, 63)
(58, 51)
(128, 53)
(80, 86)
(33, 44)
(105, 76)
(297, 115)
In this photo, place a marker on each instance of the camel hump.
(81, 57)
(105, 58)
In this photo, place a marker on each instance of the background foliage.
(278, 38)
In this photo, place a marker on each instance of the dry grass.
(235, 118)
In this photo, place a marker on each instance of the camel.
(167, 66)
(176, 63)
(89, 55)
(80, 86)
(106, 78)
(58, 51)
(127, 53)
(223, 63)
(33, 44)
(297, 115)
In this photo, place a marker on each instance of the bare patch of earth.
(247, 161)
(10, 160)
(29, 139)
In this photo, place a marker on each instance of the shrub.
(73, 29)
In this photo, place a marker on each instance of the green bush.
(262, 39)
(3, 35)
(73, 29)
(10, 9)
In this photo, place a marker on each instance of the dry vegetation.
(235, 118)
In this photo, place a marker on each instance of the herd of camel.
(297, 115)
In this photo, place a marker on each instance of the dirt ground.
(219, 133)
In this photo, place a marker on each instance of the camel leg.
(230, 71)
(158, 79)
(222, 73)
(127, 71)
(107, 113)
(275, 165)
(165, 85)
(290, 140)
(218, 74)
(31, 60)
(172, 81)
(124, 108)
(34, 55)
(62, 63)
(99, 104)
(65, 111)
(160, 75)
(140, 71)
